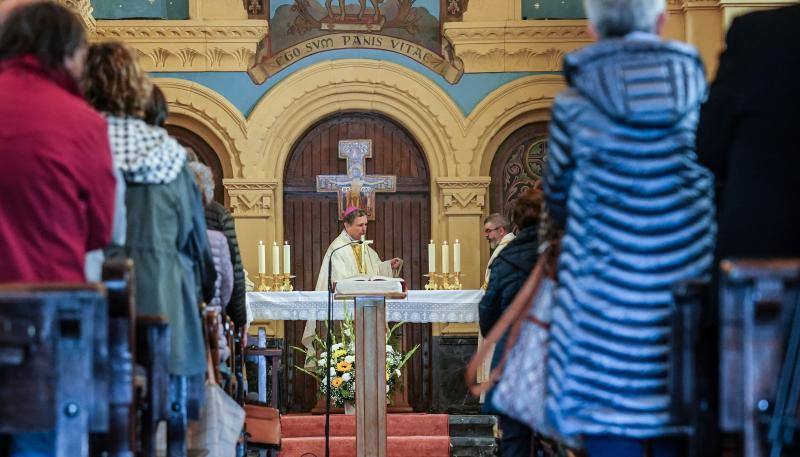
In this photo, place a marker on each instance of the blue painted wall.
(244, 94)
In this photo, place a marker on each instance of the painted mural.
(301, 28)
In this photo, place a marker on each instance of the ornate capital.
(463, 196)
(192, 45)
(516, 45)
(251, 199)
(84, 10)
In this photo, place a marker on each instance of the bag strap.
(210, 378)
(513, 315)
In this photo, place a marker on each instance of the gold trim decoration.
(190, 45)
(516, 45)
(250, 199)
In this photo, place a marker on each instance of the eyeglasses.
(488, 230)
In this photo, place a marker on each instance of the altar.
(437, 372)
(421, 306)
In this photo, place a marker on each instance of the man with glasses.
(496, 229)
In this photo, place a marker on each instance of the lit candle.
(287, 258)
(445, 258)
(262, 258)
(431, 258)
(457, 257)
(276, 258)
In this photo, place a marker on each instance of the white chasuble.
(343, 266)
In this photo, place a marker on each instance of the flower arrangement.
(343, 360)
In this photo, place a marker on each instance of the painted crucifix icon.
(357, 188)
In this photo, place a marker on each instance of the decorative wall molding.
(463, 196)
(250, 199)
(516, 45)
(191, 45)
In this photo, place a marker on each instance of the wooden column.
(370, 321)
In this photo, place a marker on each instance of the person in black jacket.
(749, 138)
(509, 271)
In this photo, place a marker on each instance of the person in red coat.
(56, 176)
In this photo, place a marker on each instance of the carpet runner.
(410, 435)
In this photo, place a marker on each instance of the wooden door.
(204, 153)
(401, 229)
(517, 166)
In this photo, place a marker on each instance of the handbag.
(221, 419)
(263, 425)
(521, 374)
(522, 389)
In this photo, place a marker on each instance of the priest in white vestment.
(357, 260)
(497, 230)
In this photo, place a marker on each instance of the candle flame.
(260, 242)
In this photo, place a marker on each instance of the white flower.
(349, 358)
(397, 373)
(333, 371)
(387, 389)
(346, 377)
(347, 332)
(324, 355)
(325, 380)
(389, 348)
(323, 362)
(336, 347)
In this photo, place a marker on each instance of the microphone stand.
(328, 344)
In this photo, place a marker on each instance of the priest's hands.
(396, 263)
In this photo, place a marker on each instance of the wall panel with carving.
(517, 166)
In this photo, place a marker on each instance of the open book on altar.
(372, 285)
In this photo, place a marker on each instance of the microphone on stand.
(328, 344)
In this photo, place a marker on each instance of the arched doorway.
(205, 154)
(401, 229)
(517, 166)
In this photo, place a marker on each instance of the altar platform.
(409, 435)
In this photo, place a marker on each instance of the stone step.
(472, 446)
(473, 426)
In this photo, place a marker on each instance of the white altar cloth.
(420, 306)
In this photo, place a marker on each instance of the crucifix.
(356, 188)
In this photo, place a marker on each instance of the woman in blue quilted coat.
(623, 179)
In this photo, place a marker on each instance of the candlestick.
(457, 257)
(262, 258)
(276, 258)
(431, 258)
(445, 258)
(287, 258)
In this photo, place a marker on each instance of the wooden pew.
(690, 362)
(120, 438)
(152, 353)
(48, 360)
(759, 377)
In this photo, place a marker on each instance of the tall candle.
(276, 258)
(457, 257)
(287, 258)
(363, 254)
(431, 258)
(445, 258)
(262, 258)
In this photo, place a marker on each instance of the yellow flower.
(387, 376)
(337, 381)
(339, 353)
(344, 366)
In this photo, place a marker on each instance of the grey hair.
(498, 220)
(204, 179)
(617, 18)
